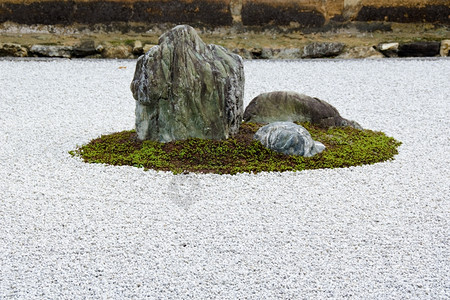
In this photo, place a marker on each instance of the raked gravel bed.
(70, 230)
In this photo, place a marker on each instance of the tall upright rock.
(185, 88)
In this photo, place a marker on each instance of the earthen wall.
(301, 13)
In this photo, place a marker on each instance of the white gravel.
(70, 230)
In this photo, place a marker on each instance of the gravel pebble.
(70, 230)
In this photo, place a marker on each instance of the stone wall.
(298, 13)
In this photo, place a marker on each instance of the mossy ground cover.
(345, 147)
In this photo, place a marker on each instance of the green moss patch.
(345, 147)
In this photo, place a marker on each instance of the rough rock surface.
(85, 48)
(244, 53)
(138, 48)
(294, 107)
(185, 88)
(52, 51)
(120, 51)
(320, 50)
(269, 53)
(288, 138)
(11, 49)
(288, 53)
(361, 52)
(388, 49)
(445, 48)
(419, 49)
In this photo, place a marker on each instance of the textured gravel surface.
(70, 230)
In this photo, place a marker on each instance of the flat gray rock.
(288, 138)
(294, 107)
(187, 89)
(321, 50)
(52, 51)
(361, 52)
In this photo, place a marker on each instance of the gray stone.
(244, 53)
(85, 48)
(322, 50)
(294, 107)
(388, 49)
(285, 53)
(288, 138)
(187, 89)
(361, 52)
(11, 49)
(267, 53)
(288, 53)
(52, 51)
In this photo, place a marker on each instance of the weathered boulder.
(322, 50)
(419, 49)
(51, 51)
(445, 48)
(267, 53)
(361, 52)
(388, 49)
(244, 53)
(288, 138)
(85, 48)
(11, 49)
(288, 53)
(294, 107)
(138, 49)
(121, 51)
(100, 48)
(256, 53)
(185, 88)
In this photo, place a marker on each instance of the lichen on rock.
(186, 89)
(294, 107)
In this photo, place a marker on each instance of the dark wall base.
(401, 14)
(419, 49)
(256, 14)
(205, 12)
(68, 12)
